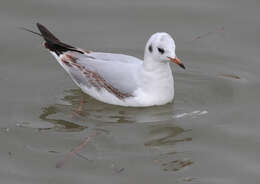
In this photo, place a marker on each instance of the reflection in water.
(95, 111)
(177, 165)
(166, 136)
(169, 136)
(159, 121)
(59, 124)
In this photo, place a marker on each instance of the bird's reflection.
(163, 130)
(58, 124)
(97, 112)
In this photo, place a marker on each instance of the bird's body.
(116, 78)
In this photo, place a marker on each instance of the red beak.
(177, 61)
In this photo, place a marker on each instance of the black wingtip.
(54, 44)
(47, 35)
(182, 66)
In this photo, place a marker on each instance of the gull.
(119, 79)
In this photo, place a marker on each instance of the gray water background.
(210, 134)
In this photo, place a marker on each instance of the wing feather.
(115, 72)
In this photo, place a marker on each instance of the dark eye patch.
(150, 48)
(161, 50)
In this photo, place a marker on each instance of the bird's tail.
(51, 42)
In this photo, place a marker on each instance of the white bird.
(116, 78)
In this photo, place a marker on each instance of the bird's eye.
(161, 50)
(150, 48)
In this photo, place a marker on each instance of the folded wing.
(117, 73)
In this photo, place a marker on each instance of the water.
(209, 135)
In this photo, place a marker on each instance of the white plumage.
(120, 79)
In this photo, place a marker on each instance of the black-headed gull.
(116, 78)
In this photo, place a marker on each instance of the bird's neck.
(158, 69)
(157, 79)
(150, 64)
